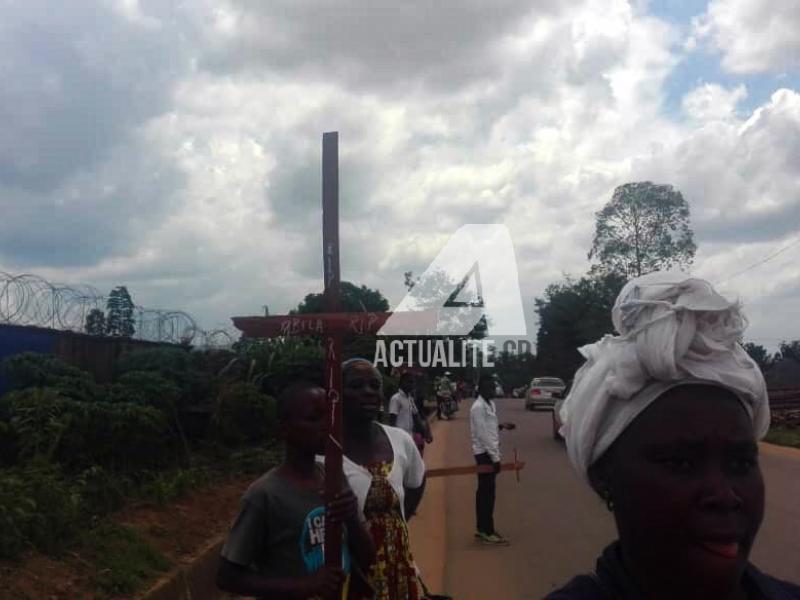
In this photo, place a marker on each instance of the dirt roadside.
(428, 529)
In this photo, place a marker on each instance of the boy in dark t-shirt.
(275, 548)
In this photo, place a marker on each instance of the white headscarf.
(674, 331)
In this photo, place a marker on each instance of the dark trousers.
(441, 408)
(484, 496)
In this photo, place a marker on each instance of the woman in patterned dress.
(386, 472)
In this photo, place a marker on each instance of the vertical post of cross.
(333, 338)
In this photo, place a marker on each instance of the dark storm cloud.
(89, 217)
(75, 81)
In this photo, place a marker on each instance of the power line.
(761, 262)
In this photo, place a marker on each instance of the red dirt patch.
(178, 530)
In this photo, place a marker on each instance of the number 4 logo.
(479, 268)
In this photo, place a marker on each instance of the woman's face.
(362, 393)
(687, 488)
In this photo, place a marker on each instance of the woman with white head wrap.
(662, 421)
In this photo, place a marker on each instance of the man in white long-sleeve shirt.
(486, 448)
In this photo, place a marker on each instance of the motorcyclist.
(444, 397)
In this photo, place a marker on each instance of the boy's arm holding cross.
(280, 525)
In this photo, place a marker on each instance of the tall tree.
(515, 370)
(571, 314)
(119, 308)
(95, 322)
(431, 293)
(790, 349)
(759, 354)
(643, 228)
(353, 298)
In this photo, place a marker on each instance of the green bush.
(31, 369)
(36, 421)
(17, 514)
(181, 368)
(173, 364)
(124, 561)
(79, 388)
(272, 363)
(39, 508)
(243, 415)
(103, 491)
(9, 444)
(255, 459)
(120, 436)
(81, 434)
(167, 486)
(146, 388)
(783, 437)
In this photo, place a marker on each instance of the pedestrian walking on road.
(663, 421)
(485, 429)
(444, 397)
(403, 413)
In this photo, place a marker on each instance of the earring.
(609, 500)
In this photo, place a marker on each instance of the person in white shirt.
(401, 405)
(486, 448)
(405, 414)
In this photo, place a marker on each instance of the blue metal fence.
(15, 340)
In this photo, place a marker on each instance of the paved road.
(557, 525)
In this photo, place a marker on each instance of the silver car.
(543, 393)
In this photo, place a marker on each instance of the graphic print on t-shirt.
(312, 542)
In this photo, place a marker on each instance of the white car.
(543, 393)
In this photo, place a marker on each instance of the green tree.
(431, 295)
(96, 322)
(515, 370)
(759, 354)
(119, 307)
(571, 314)
(352, 299)
(644, 228)
(790, 349)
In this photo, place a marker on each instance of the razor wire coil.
(31, 300)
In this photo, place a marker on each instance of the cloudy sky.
(174, 147)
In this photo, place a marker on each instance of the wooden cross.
(333, 326)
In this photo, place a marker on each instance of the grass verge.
(783, 437)
(123, 561)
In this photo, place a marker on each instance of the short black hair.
(288, 397)
(485, 380)
(407, 375)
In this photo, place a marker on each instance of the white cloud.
(711, 101)
(754, 36)
(205, 194)
(741, 176)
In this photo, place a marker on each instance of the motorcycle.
(446, 405)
